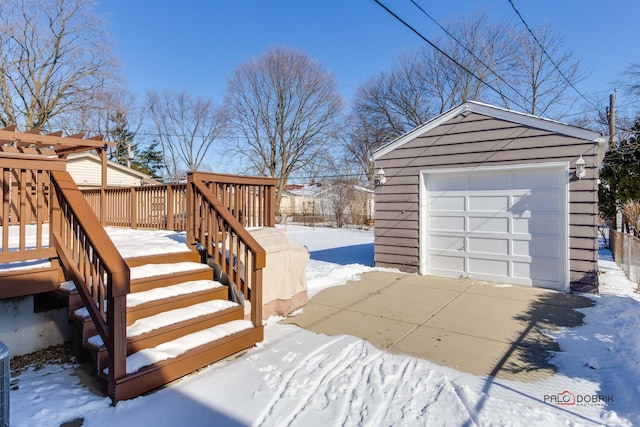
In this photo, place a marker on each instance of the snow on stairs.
(178, 321)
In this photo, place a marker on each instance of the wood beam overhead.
(61, 145)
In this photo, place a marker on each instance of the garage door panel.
(488, 225)
(537, 181)
(499, 268)
(538, 225)
(489, 203)
(447, 182)
(445, 262)
(488, 245)
(447, 203)
(447, 223)
(488, 181)
(506, 225)
(540, 272)
(544, 247)
(446, 243)
(537, 203)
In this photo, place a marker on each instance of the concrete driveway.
(472, 326)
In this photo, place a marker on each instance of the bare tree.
(631, 79)
(54, 59)
(285, 107)
(541, 74)
(421, 85)
(186, 129)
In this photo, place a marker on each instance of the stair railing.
(214, 229)
(251, 200)
(99, 272)
(24, 202)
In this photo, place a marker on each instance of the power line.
(547, 54)
(433, 45)
(443, 28)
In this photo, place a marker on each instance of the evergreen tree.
(620, 175)
(119, 133)
(127, 152)
(149, 161)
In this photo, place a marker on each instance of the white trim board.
(560, 169)
(498, 113)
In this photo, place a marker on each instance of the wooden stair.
(178, 320)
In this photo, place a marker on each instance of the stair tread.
(152, 270)
(179, 346)
(157, 294)
(171, 317)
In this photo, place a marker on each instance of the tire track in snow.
(408, 366)
(353, 385)
(286, 382)
(327, 374)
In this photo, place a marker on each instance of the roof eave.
(492, 111)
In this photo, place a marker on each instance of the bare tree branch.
(54, 60)
(186, 129)
(285, 106)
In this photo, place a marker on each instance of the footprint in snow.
(273, 379)
(290, 357)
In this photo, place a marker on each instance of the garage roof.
(492, 111)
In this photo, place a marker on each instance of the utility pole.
(611, 114)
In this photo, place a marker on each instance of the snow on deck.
(171, 317)
(152, 270)
(184, 288)
(175, 348)
(129, 242)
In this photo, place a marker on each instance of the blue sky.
(196, 44)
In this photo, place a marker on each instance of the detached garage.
(491, 194)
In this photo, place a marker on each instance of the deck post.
(134, 208)
(191, 219)
(170, 208)
(256, 297)
(103, 184)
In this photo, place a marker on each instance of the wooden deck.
(52, 224)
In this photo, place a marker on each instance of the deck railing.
(99, 272)
(215, 228)
(211, 208)
(150, 206)
(25, 182)
(251, 200)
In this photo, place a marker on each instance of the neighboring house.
(298, 199)
(85, 169)
(323, 201)
(346, 204)
(491, 194)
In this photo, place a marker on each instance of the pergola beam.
(55, 139)
(73, 143)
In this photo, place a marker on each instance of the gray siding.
(472, 140)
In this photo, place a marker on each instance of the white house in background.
(86, 170)
(299, 199)
(316, 200)
(355, 202)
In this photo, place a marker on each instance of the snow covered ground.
(295, 377)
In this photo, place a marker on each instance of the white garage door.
(503, 225)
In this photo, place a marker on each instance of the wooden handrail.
(89, 223)
(96, 267)
(215, 229)
(250, 199)
(242, 233)
(234, 179)
(24, 202)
